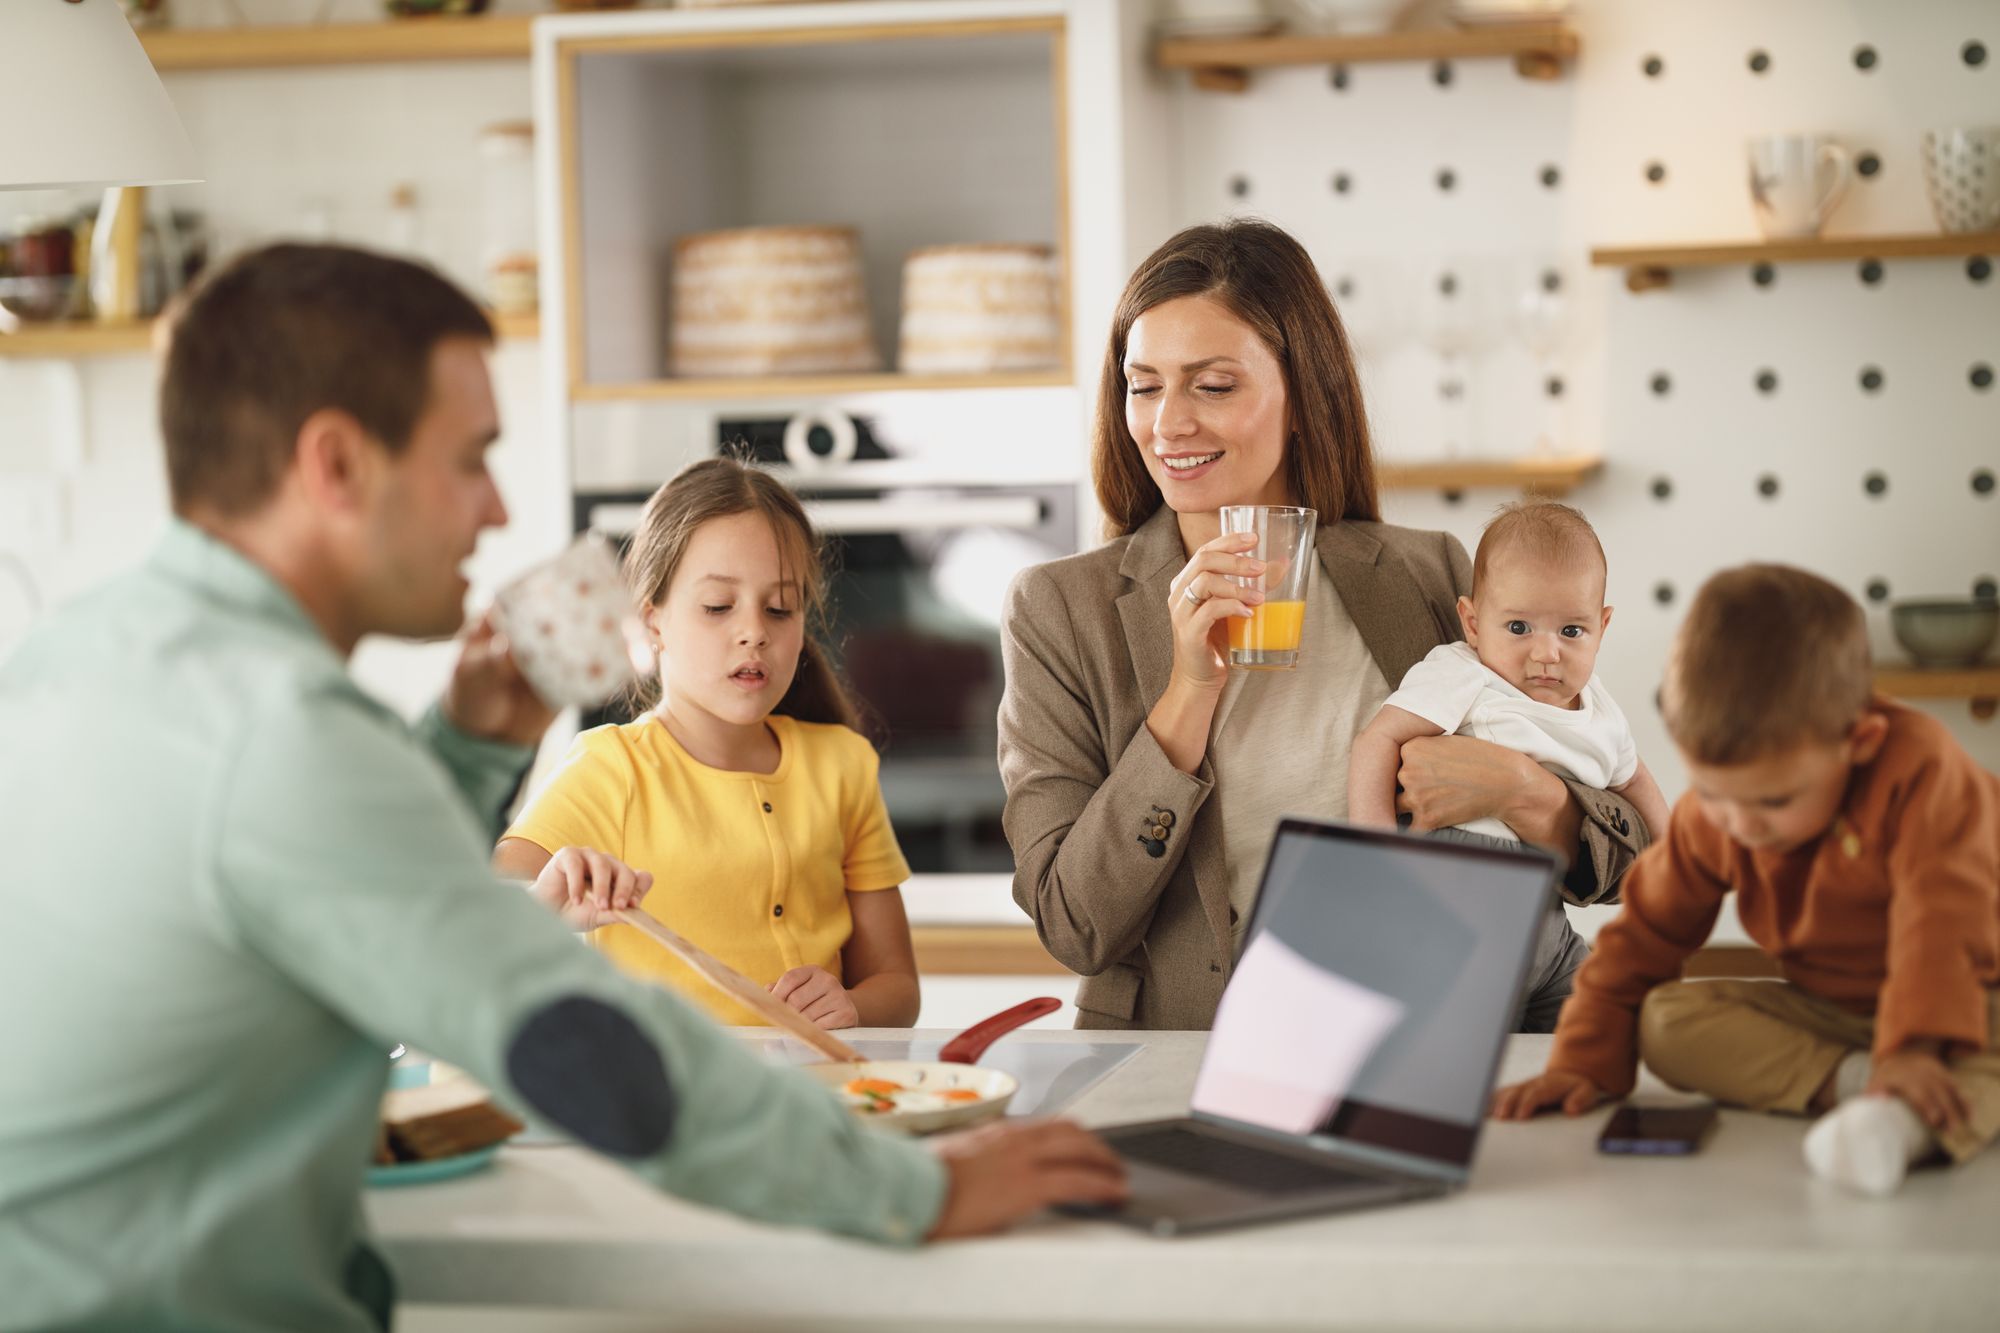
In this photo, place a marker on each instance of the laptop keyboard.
(1238, 1164)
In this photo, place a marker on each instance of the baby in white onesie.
(1522, 678)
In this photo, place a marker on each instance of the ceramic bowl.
(30, 300)
(1947, 632)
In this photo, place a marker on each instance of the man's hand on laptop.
(1573, 1093)
(1000, 1173)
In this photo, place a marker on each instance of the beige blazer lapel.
(1152, 557)
(1384, 603)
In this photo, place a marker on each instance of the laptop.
(1358, 1039)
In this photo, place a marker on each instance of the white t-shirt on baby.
(1591, 743)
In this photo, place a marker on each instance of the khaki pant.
(1770, 1046)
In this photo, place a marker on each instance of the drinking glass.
(1542, 317)
(1269, 639)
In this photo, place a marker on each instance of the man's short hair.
(1769, 657)
(1548, 533)
(283, 332)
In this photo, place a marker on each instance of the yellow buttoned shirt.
(753, 867)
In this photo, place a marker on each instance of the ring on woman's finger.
(1192, 595)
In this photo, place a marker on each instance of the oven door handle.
(1020, 512)
(835, 517)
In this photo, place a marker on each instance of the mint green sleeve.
(360, 875)
(487, 773)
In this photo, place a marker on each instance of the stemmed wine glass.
(1452, 326)
(1542, 317)
(1371, 296)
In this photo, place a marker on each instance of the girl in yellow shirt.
(745, 791)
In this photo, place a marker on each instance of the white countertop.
(1550, 1235)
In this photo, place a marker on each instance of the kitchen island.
(1550, 1235)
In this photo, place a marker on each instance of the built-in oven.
(919, 569)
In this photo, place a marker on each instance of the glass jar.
(507, 164)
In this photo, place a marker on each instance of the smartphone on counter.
(1657, 1131)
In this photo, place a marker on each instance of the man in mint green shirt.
(237, 880)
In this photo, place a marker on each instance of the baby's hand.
(818, 994)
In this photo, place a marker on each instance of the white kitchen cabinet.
(918, 122)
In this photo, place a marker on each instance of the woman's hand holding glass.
(1202, 602)
(1200, 605)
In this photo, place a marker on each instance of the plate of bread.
(437, 1131)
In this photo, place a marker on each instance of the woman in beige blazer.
(1143, 777)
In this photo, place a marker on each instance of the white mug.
(572, 626)
(1215, 18)
(1795, 181)
(1962, 173)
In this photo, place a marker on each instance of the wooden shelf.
(68, 341)
(516, 327)
(806, 386)
(477, 37)
(982, 951)
(1980, 684)
(1648, 267)
(1543, 476)
(1017, 951)
(1538, 51)
(73, 341)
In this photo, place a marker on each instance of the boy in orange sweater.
(1863, 845)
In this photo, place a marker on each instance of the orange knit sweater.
(1894, 911)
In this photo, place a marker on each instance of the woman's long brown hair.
(718, 488)
(1266, 279)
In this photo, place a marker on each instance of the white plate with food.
(915, 1096)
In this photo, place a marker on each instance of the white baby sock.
(1850, 1076)
(1867, 1143)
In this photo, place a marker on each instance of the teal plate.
(423, 1173)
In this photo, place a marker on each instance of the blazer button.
(767, 807)
(1165, 817)
(1154, 847)
(779, 910)
(1157, 831)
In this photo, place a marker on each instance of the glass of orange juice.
(1269, 639)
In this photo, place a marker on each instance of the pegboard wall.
(1837, 416)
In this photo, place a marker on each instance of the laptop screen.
(1378, 980)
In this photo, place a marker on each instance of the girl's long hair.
(1266, 279)
(718, 488)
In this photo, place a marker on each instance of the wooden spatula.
(739, 987)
